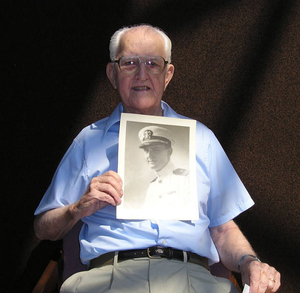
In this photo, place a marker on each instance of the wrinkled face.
(142, 91)
(157, 156)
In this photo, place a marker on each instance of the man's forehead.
(139, 41)
(159, 147)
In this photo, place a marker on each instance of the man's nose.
(142, 73)
(150, 154)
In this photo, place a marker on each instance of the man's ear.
(169, 74)
(110, 72)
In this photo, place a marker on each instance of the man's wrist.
(73, 212)
(242, 259)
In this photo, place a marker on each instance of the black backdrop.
(236, 70)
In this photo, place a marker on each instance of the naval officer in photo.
(170, 188)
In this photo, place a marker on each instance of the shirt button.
(159, 181)
(164, 242)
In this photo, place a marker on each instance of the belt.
(155, 252)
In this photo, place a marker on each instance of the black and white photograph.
(155, 162)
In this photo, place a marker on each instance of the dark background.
(236, 70)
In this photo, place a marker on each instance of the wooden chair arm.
(49, 281)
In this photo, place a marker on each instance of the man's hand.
(232, 245)
(103, 190)
(259, 276)
(56, 223)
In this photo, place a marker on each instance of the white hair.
(116, 37)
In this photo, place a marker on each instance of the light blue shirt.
(221, 194)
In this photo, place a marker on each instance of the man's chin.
(145, 96)
(153, 166)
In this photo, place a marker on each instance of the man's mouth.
(141, 88)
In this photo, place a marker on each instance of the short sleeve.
(228, 196)
(69, 181)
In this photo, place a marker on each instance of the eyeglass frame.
(140, 61)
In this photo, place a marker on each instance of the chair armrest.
(49, 281)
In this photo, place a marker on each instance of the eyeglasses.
(130, 64)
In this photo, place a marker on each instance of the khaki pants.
(147, 275)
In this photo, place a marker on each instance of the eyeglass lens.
(130, 64)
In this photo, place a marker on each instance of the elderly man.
(86, 187)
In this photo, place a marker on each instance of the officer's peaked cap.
(153, 135)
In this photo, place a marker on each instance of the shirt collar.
(166, 170)
(115, 117)
(166, 109)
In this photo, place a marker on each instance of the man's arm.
(103, 190)
(232, 245)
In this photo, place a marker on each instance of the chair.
(68, 264)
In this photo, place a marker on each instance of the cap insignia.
(147, 135)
